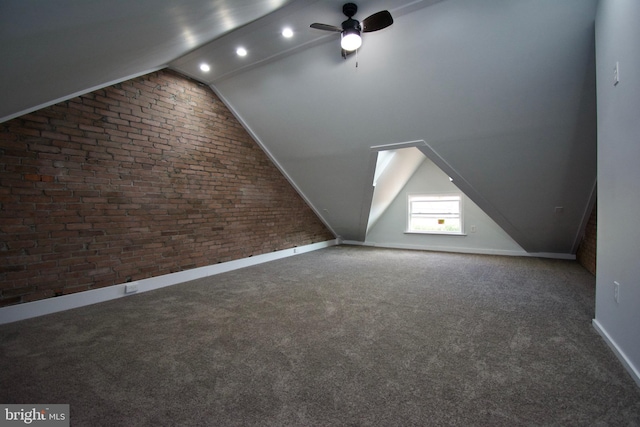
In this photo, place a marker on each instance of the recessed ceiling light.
(287, 32)
(205, 67)
(241, 51)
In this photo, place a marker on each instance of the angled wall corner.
(476, 197)
(394, 168)
(617, 316)
(482, 234)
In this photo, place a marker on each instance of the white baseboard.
(626, 362)
(552, 255)
(352, 242)
(478, 251)
(461, 250)
(14, 313)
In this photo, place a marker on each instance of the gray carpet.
(341, 336)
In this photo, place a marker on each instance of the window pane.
(440, 214)
(435, 207)
(450, 225)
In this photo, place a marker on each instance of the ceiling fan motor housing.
(349, 9)
(351, 24)
(351, 28)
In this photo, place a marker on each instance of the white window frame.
(434, 196)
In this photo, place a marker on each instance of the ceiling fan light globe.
(350, 41)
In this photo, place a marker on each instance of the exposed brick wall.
(586, 254)
(140, 179)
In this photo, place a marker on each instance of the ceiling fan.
(351, 28)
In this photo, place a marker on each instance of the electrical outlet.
(616, 291)
(474, 229)
(131, 288)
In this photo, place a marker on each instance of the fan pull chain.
(356, 58)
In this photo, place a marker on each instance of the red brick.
(131, 182)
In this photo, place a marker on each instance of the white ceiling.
(55, 48)
(264, 40)
(501, 91)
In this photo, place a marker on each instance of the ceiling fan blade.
(326, 27)
(377, 21)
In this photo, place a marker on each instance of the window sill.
(438, 233)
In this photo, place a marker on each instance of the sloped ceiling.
(501, 91)
(55, 48)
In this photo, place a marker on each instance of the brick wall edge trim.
(78, 93)
(271, 157)
(14, 313)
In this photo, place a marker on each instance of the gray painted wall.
(503, 92)
(617, 39)
(488, 238)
